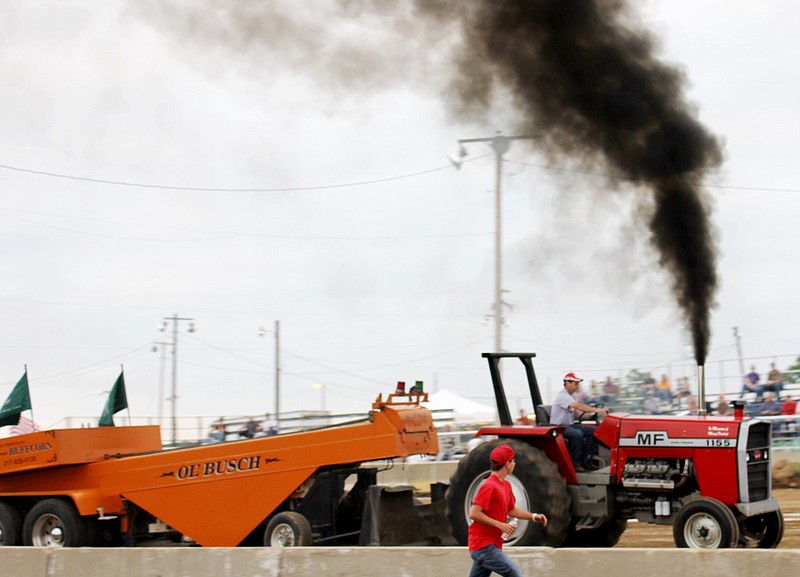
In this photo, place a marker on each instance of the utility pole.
(277, 376)
(261, 332)
(174, 396)
(500, 145)
(738, 336)
(161, 348)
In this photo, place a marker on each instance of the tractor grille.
(757, 461)
(758, 436)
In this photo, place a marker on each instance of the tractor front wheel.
(705, 524)
(761, 531)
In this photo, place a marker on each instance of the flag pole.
(127, 405)
(33, 420)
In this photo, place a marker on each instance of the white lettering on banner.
(714, 431)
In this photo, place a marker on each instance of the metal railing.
(194, 430)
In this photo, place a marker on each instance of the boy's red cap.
(502, 454)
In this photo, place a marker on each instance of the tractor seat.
(543, 415)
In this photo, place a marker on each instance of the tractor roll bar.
(497, 382)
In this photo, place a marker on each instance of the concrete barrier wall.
(387, 562)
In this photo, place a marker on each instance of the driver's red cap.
(572, 377)
(502, 454)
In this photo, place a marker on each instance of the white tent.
(462, 410)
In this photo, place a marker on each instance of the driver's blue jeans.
(492, 559)
(575, 434)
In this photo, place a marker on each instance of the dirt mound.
(785, 475)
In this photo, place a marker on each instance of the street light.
(500, 144)
(174, 397)
(262, 332)
(321, 387)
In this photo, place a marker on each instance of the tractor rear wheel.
(537, 486)
(705, 524)
(288, 529)
(761, 531)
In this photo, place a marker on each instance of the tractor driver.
(563, 413)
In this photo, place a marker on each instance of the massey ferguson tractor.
(707, 476)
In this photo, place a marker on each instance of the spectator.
(649, 384)
(596, 390)
(771, 406)
(684, 390)
(774, 380)
(250, 429)
(723, 408)
(651, 404)
(789, 409)
(664, 389)
(752, 384)
(217, 433)
(609, 392)
(523, 418)
(691, 405)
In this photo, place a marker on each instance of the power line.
(209, 189)
(547, 167)
(752, 188)
(620, 177)
(93, 366)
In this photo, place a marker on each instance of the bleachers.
(786, 429)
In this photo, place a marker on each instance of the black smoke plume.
(583, 74)
(586, 78)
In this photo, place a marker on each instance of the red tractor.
(707, 476)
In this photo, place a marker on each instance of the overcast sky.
(132, 140)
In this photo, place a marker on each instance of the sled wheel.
(705, 524)
(537, 486)
(288, 529)
(10, 525)
(55, 523)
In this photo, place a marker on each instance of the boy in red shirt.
(493, 505)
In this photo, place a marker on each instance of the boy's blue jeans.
(491, 559)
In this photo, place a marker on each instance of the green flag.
(117, 401)
(19, 400)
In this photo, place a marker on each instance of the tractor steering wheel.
(593, 416)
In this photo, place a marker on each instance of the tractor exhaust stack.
(701, 390)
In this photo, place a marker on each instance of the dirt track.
(644, 535)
